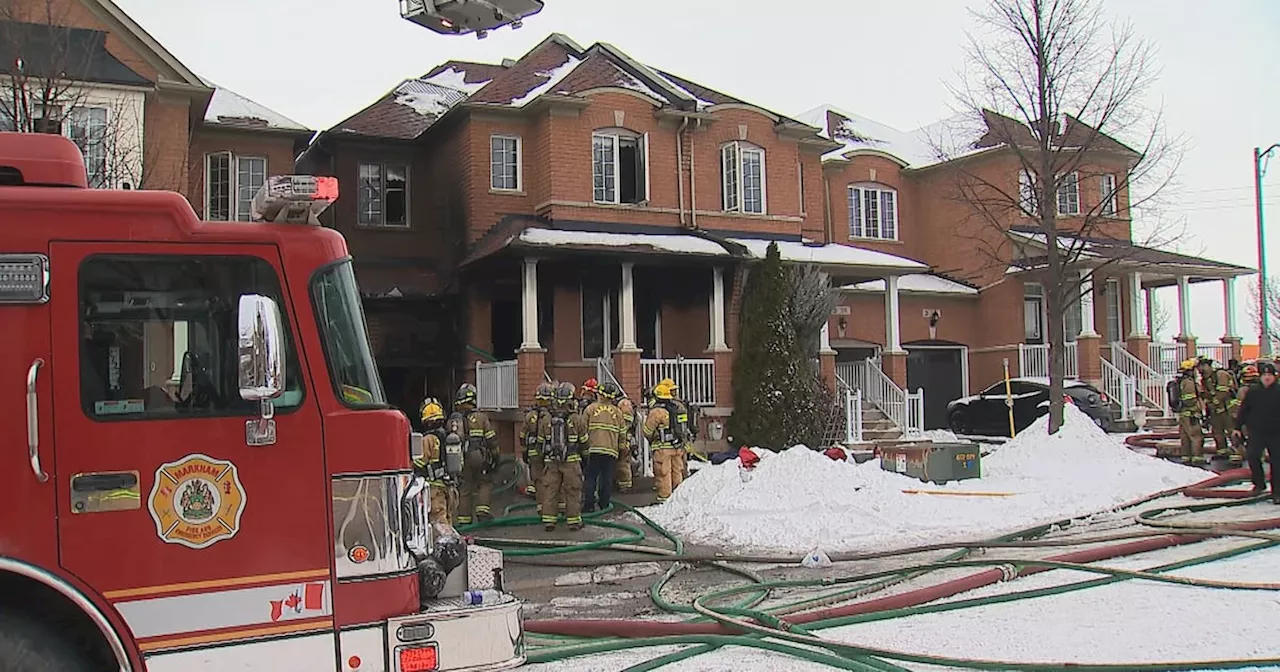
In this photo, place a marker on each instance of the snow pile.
(800, 499)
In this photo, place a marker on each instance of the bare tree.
(43, 89)
(1161, 316)
(1273, 308)
(1056, 86)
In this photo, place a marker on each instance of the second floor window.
(742, 178)
(230, 183)
(873, 212)
(88, 129)
(504, 163)
(383, 196)
(619, 167)
(1069, 194)
(1107, 193)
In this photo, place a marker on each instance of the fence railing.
(1220, 353)
(696, 377)
(844, 373)
(1148, 382)
(905, 409)
(1033, 361)
(1165, 357)
(1120, 388)
(604, 372)
(852, 416)
(498, 385)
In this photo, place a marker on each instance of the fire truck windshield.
(346, 338)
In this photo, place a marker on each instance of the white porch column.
(1184, 308)
(1086, 308)
(718, 335)
(892, 317)
(627, 311)
(824, 338)
(529, 305)
(1229, 307)
(1135, 307)
(1151, 312)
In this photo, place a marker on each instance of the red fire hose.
(1206, 490)
(626, 628)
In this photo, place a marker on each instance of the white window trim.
(1111, 199)
(1075, 177)
(616, 137)
(606, 323)
(879, 188)
(519, 163)
(739, 190)
(233, 179)
(408, 179)
(1113, 302)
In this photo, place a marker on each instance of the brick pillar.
(530, 362)
(626, 368)
(894, 365)
(724, 378)
(1237, 347)
(1190, 343)
(828, 361)
(1139, 346)
(1089, 359)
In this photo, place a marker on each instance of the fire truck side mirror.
(261, 348)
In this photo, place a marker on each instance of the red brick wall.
(913, 228)
(958, 320)
(277, 149)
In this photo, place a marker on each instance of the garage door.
(939, 371)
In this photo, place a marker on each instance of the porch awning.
(917, 283)
(842, 259)
(672, 243)
(1159, 268)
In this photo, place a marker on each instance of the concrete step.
(878, 435)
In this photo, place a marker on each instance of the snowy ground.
(799, 499)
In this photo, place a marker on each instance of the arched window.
(873, 211)
(619, 166)
(742, 178)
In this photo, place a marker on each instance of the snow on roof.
(669, 82)
(937, 142)
(830, 255)
(554, 77)
(629, 82)
(228, 106)
(456, 79)
(677, 243)
(917, 282)
(427, 98)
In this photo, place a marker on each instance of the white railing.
(1220, 353)
(844, 373)
(1120, 388)
(604, 372)
(905, 409)
(696, 377)
(1165, 357)
(1148, 383)
(1033, 361)
(852, 416)
(498, 385)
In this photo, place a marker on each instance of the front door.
(195, 537)
(940, 373)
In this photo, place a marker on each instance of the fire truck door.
(195, 537)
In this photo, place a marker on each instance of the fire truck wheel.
(31, 647)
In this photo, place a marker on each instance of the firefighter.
(679, 425)
(1219, 394)
(531, 440)
(562, 460)
(431, 464)
(604, 434)
(622, 472)
(480, 456)
(589, 393)
(1259, 416)
(1248, 376)
(668, 473)
(1188, 402)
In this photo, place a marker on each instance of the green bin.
(934, 462)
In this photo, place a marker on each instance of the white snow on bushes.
(800, 499)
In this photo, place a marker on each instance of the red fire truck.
(200, 471)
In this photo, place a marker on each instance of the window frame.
(233, 184)
(292, 340)
(69, 125)
(734, 154)
(383, 169)
(1108, 195)
(615, 136)
(857, 210)
(610, 298)
(1070, 182)
(519, 161)
(1028, 298)
(1113, 306)
(335, 384)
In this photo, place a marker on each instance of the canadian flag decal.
(301, 600)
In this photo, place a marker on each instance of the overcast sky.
(318, 61)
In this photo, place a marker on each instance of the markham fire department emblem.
(196, 501)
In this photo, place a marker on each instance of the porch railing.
(696, 377)
(604, 372)
(1148, 383)
(905, 409)
(1165, 357)
(1033, 361)
(852, 415)
(1220, 353)
(1119, 387)
(498, 385)
(844, 373)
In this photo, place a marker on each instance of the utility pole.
(1264, 308)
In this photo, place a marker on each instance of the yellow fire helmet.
(662, 390)
(670, 385)
(431, 410)
(1188, 364)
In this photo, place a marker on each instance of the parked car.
(987, 413)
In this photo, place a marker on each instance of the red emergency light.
(294, 199)
(419, 659)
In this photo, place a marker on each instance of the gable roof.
(74, 54)
(230, 110)
(172, 71)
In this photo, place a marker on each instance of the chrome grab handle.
(33, 421)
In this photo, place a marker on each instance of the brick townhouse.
(141, 118)
(576, 213)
